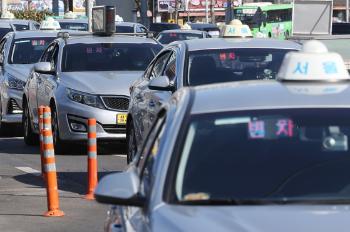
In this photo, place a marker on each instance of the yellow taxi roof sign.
(313, 63)
(50, 24)
(235, 29)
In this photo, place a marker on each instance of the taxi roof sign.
(235, 29)
(70, 15)
(50, 24)
(313, 63)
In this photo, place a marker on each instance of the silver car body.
(12, 98)
(51, 90)
(159, 215)
(145, 103)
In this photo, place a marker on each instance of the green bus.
(271, 20)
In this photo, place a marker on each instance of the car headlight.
(84, 98)
(14, 83)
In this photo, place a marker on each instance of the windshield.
(28, 50)
(74, 26)
(124, 29)
(270, 154)
(108, 56)
(166, 38)
(224, 65)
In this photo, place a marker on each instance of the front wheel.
(131, 142)
(58, 144)
(29, 137)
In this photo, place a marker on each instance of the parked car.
(83, 77)
(19, 51)
(168, 36)
(156, 28)
(8, 25)
(269, 140)
(199, 62)
(129, 27)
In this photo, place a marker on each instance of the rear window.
(74, 26)
(166, 38)
(225, 65)
(124, 29)
(28, 51)
(82, 57)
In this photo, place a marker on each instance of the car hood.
(114, 83)
(19, 71)
(285, 218)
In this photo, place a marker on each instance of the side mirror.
(120, 189)
(161, 83)
(43, 68)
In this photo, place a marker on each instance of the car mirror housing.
(120, 189)
(161, 83)
(43, 67)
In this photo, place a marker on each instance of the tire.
(59, 145)
(30, 138)
(131, 143)
(4, 128)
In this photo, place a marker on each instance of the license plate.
(121, 119)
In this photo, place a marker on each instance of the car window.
(80, 57)
(265, 154)
(21, 27)
(124, 29)
(46, 56)
(234, 64)
(149, 156)
(166, 37)
(159, 65)
(170, 70)
(28, 50)
(4, 31)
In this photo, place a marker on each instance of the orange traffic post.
(47, 118)
(92, 159)
(41, 127)
(51, 176)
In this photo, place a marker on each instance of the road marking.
(29, 170)
(121, 156)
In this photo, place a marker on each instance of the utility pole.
(206, 11)
(3, 7)
(89, 5)
(212, 9)
(144, 8)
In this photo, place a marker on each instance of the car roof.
(269, 94)
(130, 24)
(202, 25)
(108, 39)
(182, 31)
(220, 43)
(36, 33)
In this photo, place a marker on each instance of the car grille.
(116, 103)
(13, 107)
(115, 129)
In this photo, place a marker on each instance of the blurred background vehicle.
(129, 27)
(211, 29)
(156, 28)
(74, 24)
(8, 25)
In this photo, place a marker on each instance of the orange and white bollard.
(92, 159)
(41, 127)
(47, 118)
(50, 172)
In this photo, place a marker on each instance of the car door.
(44, 80)
(139, 218)
(141, 93)
(2, 72)
(155, 98)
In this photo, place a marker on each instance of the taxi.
(19, 51)
(199, 62)
(81, 76)
(275, 160)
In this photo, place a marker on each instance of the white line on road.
(29, 170)
(122, 156)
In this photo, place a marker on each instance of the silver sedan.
(247, 156)
(83, 77)
(19, 51)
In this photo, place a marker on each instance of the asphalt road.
(23, 195)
